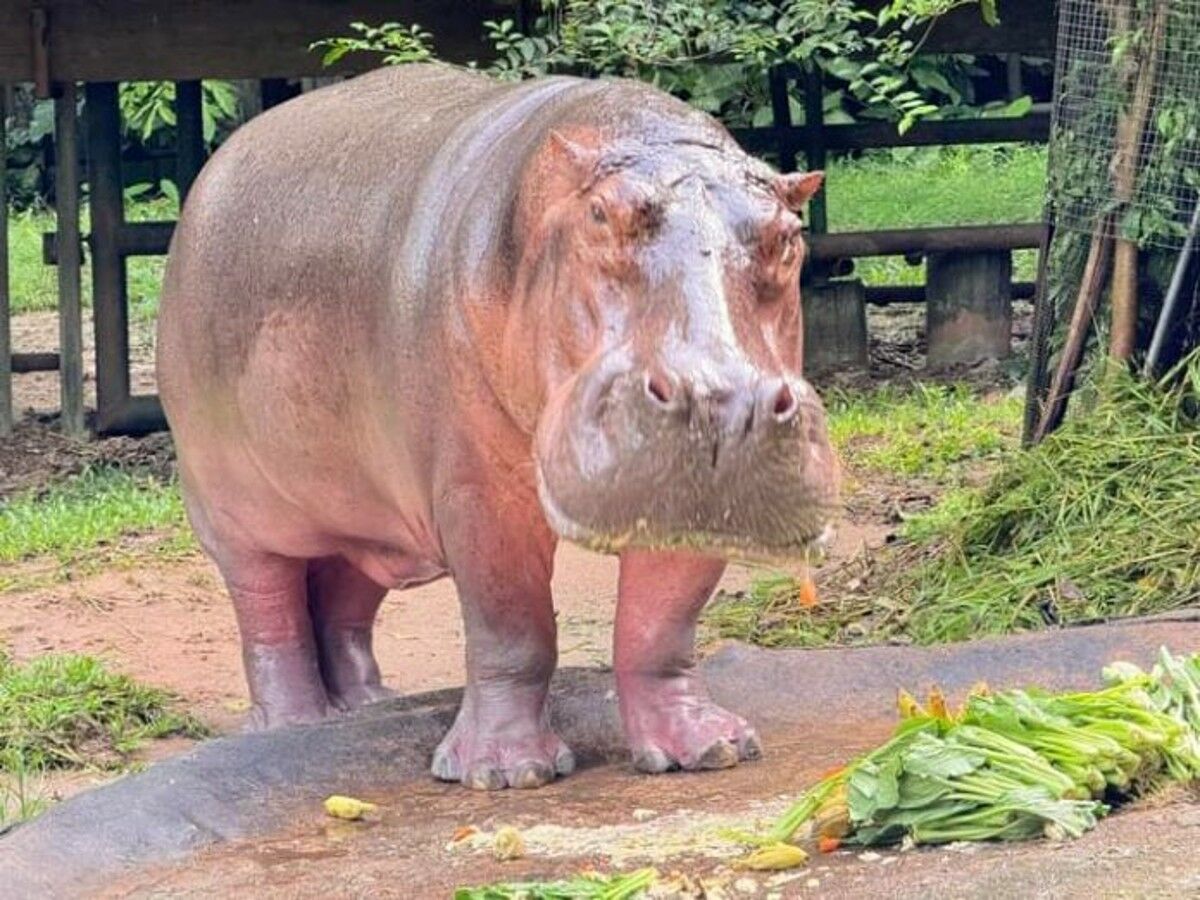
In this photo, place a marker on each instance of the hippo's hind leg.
(670, 721)
(343, 603)
(270, 597)
(501, 556)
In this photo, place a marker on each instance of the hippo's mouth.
(659, 531)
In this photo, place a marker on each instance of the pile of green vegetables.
(1012, 765)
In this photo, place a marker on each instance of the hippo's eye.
(599, 216)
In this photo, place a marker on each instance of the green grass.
(63, 711)
(73, 519)
(34, 285)
(929, 431)
(1098, 522)
(914, 187)
(69, 711)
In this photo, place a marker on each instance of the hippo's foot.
(349, 669)
(672, 724)
(286, 686)
(494, 751)
(358, 696)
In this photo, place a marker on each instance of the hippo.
(424, 323)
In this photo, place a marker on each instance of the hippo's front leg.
(501, 555)
(670, 721)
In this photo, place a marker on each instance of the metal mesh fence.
(1125, 148)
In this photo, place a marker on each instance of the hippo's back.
(306, 206)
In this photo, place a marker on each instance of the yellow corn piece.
(773, 858)
(349, 808)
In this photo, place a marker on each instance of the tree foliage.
(715, 53)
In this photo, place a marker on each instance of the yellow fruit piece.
(774, 858)
(908, 705)
(349, 808)
(508, 844)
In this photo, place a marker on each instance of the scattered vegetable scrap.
(588, 886)
(774, 858)
(808, 590)
(508, 844)
(1011, 765)
(349, 808)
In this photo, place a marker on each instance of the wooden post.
(70, 312)
(109, 310)
(6, 406)
(814, 146)
(835, 326)
(189, 134)
(968, 307)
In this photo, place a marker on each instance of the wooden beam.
(70, 295)
(6, 405)
(126, 40)
(901, 241)
(1031, 128)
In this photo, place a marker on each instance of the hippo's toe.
(485, 765)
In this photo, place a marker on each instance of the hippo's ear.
(796, 188)
(580, 158)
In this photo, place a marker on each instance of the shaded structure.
(61, 44)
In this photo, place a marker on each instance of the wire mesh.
(1125, 147)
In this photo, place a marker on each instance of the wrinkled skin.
(422, 324)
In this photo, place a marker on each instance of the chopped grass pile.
(63, 710)
(1098, 522)
(1013, 765)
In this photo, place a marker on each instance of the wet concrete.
(243, 813)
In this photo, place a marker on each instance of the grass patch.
(35, 286)
(926, 430)
(63, 711)
(1098, 522)
(916, 186)
(68, 711)
(88, 511)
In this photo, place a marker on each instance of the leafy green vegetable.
(1013, 765)
(589, 886)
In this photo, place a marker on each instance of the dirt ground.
(609, 820)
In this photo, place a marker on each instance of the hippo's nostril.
(785, 405)
(660, 388)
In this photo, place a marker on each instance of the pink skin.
(465, 320)
(669, 720)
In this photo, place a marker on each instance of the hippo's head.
(662, 283)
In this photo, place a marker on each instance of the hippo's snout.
(739, 407)
(656, 457)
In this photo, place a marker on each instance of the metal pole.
(70, 311)
(1166, 316)
(6, 407)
